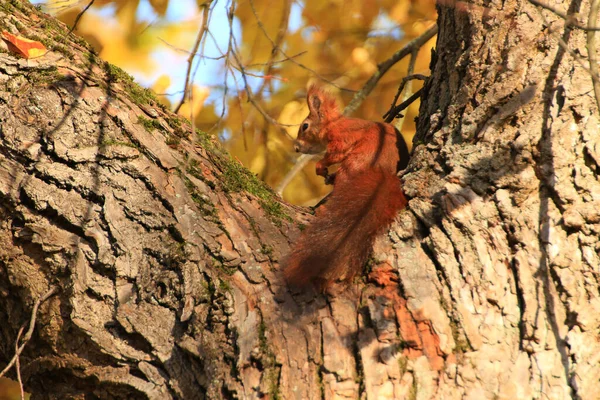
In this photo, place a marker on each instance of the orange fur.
(366, 194)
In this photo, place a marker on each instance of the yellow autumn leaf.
(159, 6)
(27, 48)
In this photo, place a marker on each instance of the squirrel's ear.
(321, 103)
(313, 98)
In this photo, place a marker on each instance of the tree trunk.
(163, 250)
(505, 187)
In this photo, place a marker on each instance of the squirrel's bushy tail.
(337, 244)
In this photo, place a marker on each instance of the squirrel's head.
(323, 109)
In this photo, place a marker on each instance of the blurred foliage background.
(251, 62)
(9, 390)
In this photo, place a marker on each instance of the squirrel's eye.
(304, 126)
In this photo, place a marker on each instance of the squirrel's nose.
(296, 147)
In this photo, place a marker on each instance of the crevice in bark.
(457, 256)
(151, 188)
(591, 163)
(12, 154)
(520, 302)
(219, 262)
(359, 365)
(201, 374)
(321, 368)
(53, 216)
(90, 196)
(138, 145)
(133, 339)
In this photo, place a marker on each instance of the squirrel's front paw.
(330, 179)
(322, 170)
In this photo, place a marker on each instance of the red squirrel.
(366, 195)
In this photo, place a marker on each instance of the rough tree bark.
(164, 251)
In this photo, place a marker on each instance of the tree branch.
(397, 109)
(383, 67)
(79, 16)
(409, 78)
(298, 166)
(193, 54)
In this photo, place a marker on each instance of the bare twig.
(569, 19)
(18, 364)
(592, 49)
(277, 61)
(300, 163)
(383, 67)
(227, 70)
(411, 68)
(399, 123)
(406, 80)
(148, 26)
(243, 125)
(80, 15)
(266, 77)
(251, 98)
(188, 52)
(203, 28)
(403, 84)
(397, 109)
(233, 46)
(276, 44)
(34, 311)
